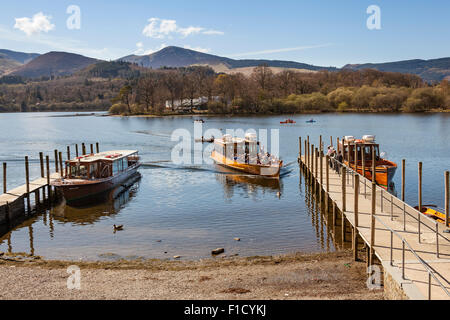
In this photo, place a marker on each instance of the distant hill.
(54, 64)
(429, 70)
(7, 64)
(20, 57)
(175, 57)
(11, 60)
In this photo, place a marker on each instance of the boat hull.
(255, 169)
(82, 190)
(384, 174)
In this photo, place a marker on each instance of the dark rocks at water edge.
(217, 251)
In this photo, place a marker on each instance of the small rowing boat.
(311, 121)
(433, 213)
(288, 121)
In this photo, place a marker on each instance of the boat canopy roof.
(227, 139)
(105, 156)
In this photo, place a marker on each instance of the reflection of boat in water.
(384, 169)
(433, 213)
(105, 204)
(253, 186)
(90, 175)
(244, 155)
(288, 121)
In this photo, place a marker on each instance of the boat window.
(78, 171)
(93, 170)
(125, 164)
(115, 168)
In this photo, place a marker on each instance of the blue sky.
(326, 33)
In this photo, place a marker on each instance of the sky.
(324, 33)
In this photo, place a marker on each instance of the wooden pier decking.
(412, 248)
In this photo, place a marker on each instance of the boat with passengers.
(245, 155)
(93, 174)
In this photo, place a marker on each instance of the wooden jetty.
(413, 249)
(33, 195)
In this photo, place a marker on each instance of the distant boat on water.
(311, 121)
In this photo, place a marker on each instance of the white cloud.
(199, 49)
(279, 50)
(213, 32)
(39, 23)
(163, 28)
(53, 43)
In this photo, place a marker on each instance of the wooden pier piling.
(49, 187)
(56, 161)
(61, 165)
(41, 161)
(447, 200)
(68, 153)
(4, 177)
(76, 151)
(403, 178)
(27, 179)
(92, 148)
(97, 146)
(83, 148)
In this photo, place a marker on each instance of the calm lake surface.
(190, 209)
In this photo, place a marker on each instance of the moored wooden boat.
(288, 121)
(244, 155)
(384, 169)
(93, 174)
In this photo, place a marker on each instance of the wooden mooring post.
(92, 148)
(56, 161)
(372, 224)
(447, 196)
(343, 182)
(68, 153)
(4, 177)
(27, 178)
(41, 161)
(311, 164)
(97, 146)
(76, 151)
(420, 198)
(403, 179)
(49, 187)
(356, 211)
(83, 148)
(61, 165)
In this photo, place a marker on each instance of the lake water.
(190, 209)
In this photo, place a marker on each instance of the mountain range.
(32, 65)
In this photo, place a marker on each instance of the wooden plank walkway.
(397, 225)
(20, 192)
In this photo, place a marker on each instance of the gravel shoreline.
(298, 276)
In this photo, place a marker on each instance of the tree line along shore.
(126, 89)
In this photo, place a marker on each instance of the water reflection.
(251, 185)
(107, 204)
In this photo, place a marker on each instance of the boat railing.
(386, 199)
